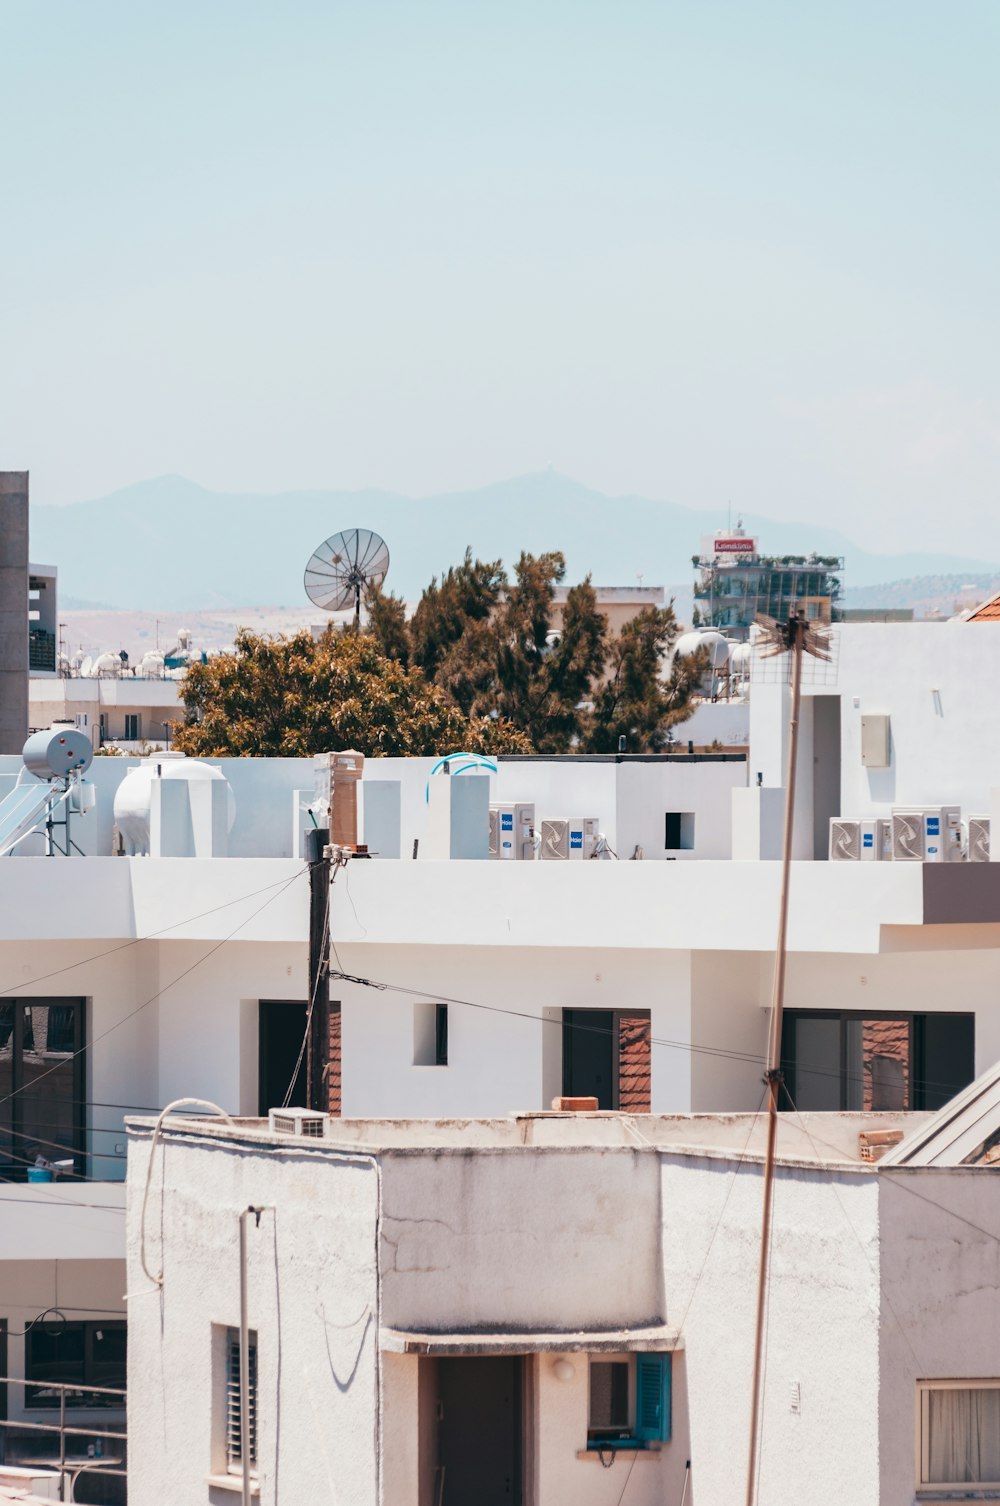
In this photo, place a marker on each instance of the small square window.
(430, 1034)
(679, 833)
(629, 1400)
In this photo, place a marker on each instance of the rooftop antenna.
(791, 639)
(343, 567)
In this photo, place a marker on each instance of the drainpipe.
(245, 1354)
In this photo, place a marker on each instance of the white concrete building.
(468, 988)
(549, 1308)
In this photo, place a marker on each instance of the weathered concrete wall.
(940, 1315)
(313, 1304)
(823, 1329)
(494, 1239)
(13, 610)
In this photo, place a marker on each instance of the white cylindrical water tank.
(57, 751)
(134, 796)
(107, 665)
(151, 665)
(717, 646)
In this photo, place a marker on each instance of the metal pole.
(796, 628)
(318, 1041)
(245, 1438)
(62, 1443)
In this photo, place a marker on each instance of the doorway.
(606, 1055)
(479, 1431)
(281, 1029)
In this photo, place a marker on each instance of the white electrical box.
(875, 743)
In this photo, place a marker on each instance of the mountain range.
(171, 544)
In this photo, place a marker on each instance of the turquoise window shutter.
(652, 1397)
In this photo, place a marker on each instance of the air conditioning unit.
(303, 1124)
(555, 841)
(978, 848)
(933, 835)
(845, 840)
(502, 831)
(524, 831)
(583, 833)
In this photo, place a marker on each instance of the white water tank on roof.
(151, 665)
(107, 665)
(740, 659)
(717, 646)
(134, 795)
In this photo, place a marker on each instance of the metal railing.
(70, 1467)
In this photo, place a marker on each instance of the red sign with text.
(736, 546)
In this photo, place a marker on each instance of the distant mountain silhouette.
(169, 543)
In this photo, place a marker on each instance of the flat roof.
(808, 1139)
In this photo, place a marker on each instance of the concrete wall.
(939, 1314)
(13, 610)
(823, 1329)
(508, 1240)
(313, 1304)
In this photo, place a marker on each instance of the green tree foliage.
(294, 696)
(484, 664)
(635, 701)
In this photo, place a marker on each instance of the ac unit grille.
(307, 1124)
(908, 838)
(979, 839)
(845, 841)
(555, 840)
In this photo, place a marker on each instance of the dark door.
(282, 1030)
(589, 1055)
(479, 1453)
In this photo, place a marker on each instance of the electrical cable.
(138, 940)
(58, 1066)
(312, 1002)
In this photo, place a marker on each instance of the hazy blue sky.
(703, 251)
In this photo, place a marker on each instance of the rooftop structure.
(737, 583)
(573, 1293)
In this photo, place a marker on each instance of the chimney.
(13, 610)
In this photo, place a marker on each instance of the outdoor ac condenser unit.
(502, 832)
(979, 839)
(933, 835)
(524, 831)
(555, 841)
(583, 833)
(304, 1124)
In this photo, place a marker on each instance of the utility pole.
(318, 1041)
(794, 637)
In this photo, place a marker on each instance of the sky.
(717, 253)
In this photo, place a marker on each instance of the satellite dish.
(343, 567)
(86, 666)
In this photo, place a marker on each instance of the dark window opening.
(281, 1057)
(42, 1086)
(441, 1035)
(76, 1355)
(679, 831)
(877, 1061)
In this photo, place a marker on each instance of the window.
(41, 1043)
(876, 1061)
(133, 727)
(959, 1434)
(77, 1355)
(629, 1402)
(234, 1437)
(430, 1035)
(679, 833)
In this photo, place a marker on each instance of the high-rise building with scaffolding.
(736, 583)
